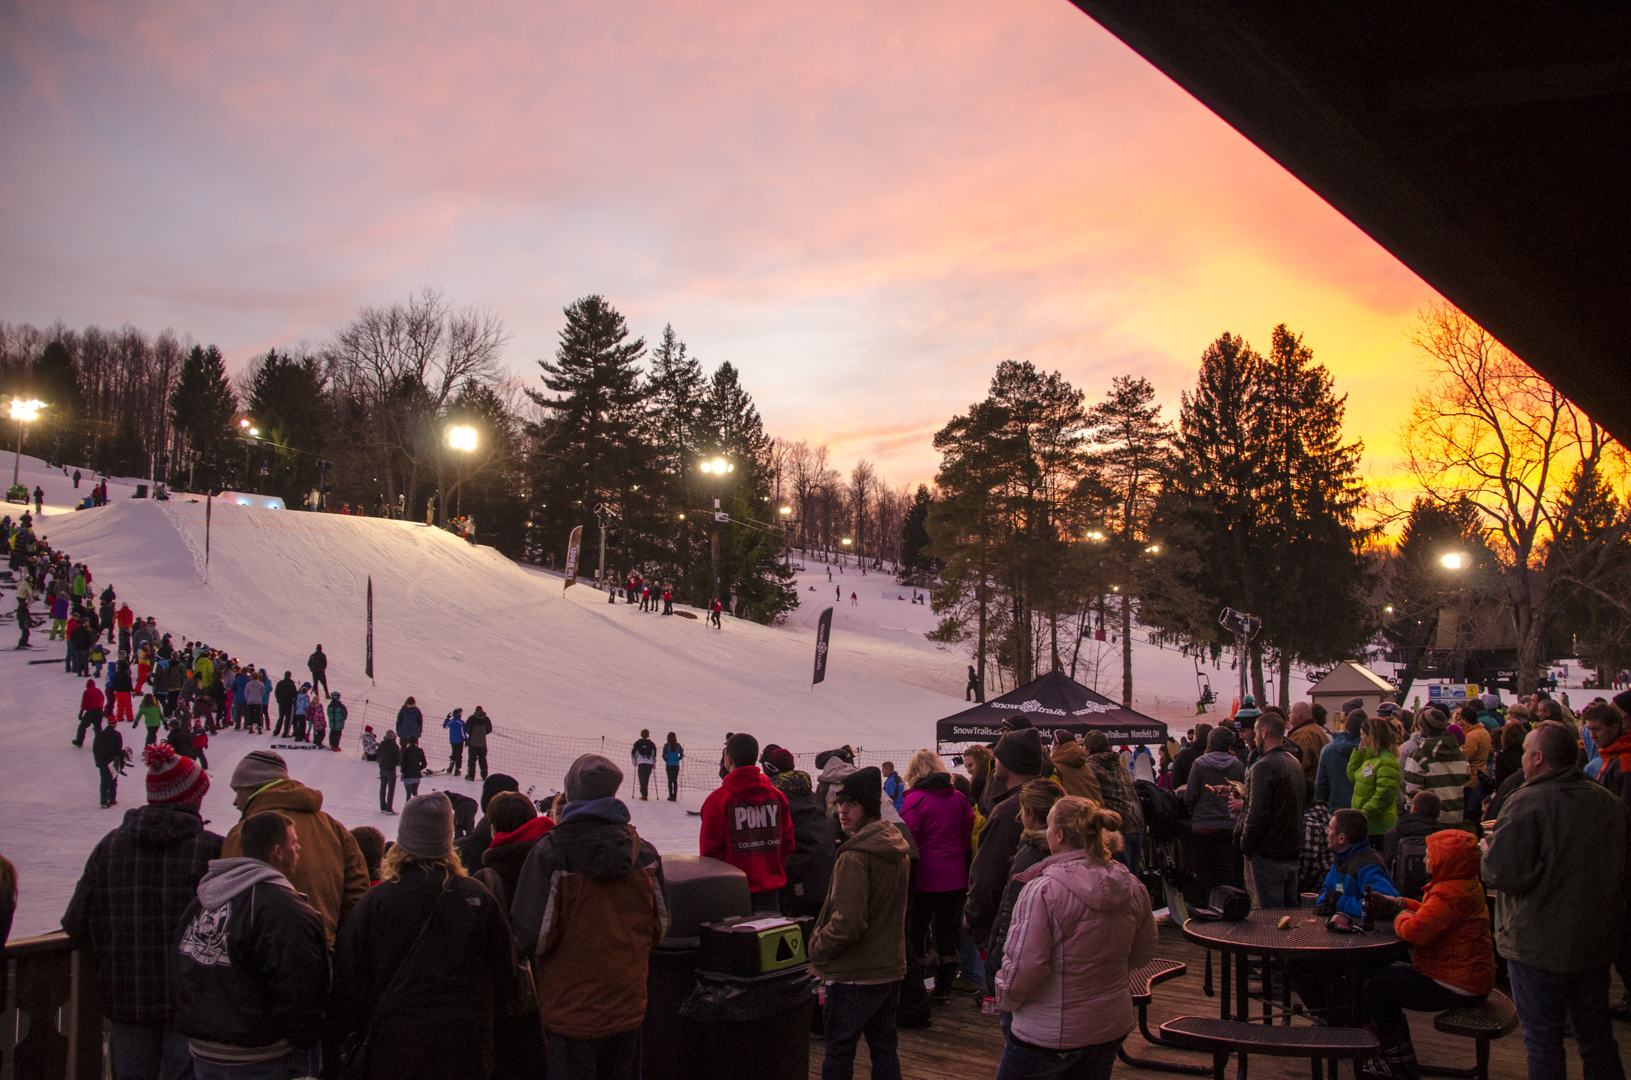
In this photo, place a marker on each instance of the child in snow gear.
(370, 743)
(336, 721)
(201, 740)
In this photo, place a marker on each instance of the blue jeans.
(1543, 999)
(148, 1052)
(290, 1066)
(970, 968)
(1022, 1061)
(1276, 882)
(1131, 854)
(852, 1011)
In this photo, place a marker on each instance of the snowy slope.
(455, 625)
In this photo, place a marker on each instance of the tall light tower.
(23, 412)
(720, 470)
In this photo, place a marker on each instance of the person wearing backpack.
(423, 963)
(1453, 954)
(1404, 849)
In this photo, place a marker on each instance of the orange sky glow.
(865, 207)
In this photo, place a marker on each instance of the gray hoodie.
(227, 878)
(1207, 810)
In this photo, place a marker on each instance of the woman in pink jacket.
(1083, 922)
(942, 824)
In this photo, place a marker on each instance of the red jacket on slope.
(746, 823)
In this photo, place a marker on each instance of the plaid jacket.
(1315, 860)
(129, 904)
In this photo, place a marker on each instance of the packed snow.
(460, 625)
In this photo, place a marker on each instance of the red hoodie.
(91, 699)
(532, 830)
(746, 823)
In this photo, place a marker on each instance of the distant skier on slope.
(317, 664)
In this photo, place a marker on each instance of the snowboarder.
(838, 592)
(317, 663)
(854, 601)
(829, 575)
(455, 740)
(39, 499)
(108, 751)
(76, 479)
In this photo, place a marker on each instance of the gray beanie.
(592, 777)
(1350, 705)
(425, 828)
(258, 768)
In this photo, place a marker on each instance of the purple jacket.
(942, 824)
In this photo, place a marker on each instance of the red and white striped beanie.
(172, 778)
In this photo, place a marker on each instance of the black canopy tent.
(1051, 702)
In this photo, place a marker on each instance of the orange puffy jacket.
(1448, 928)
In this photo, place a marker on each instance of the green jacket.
(1556, 858)
(151, 715)
(1376, 788)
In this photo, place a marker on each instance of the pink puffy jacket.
(1078, 929)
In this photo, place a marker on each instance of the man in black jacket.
(1269, 832)
(389, 756)
(285, 692)
(809, 868)
(317, 664)
(1019, 758)
(108, 752)
(251, 963)
(136, 886)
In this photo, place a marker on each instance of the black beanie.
(493, 785)
(1021, 752)
(864, 786)
(1220, 739)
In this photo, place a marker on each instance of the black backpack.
(1164, 812)
(1409, 869)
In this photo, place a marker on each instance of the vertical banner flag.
(823, 636)
(572, 546)
(368, 665)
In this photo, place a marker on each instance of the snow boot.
(945, 974)
(1396, 1061)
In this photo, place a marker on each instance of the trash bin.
(699, 890)
(141, 492)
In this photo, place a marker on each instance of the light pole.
(605, 515)
(463, 438)
(719, 469)
(1455, 561)
(22, 412)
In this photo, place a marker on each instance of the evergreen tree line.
(1054, 520)
(612, 430)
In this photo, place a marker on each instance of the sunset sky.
(863, 206)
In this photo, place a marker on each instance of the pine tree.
(592, 448)
(201, 411)
(916, 557)
(1132, 460)
(1417, 588)
(676, 388)
(289, 403)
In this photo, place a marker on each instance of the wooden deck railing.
(53, 1012)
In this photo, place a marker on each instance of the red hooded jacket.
(1449, 927)
(746, 823)
(91, 699)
